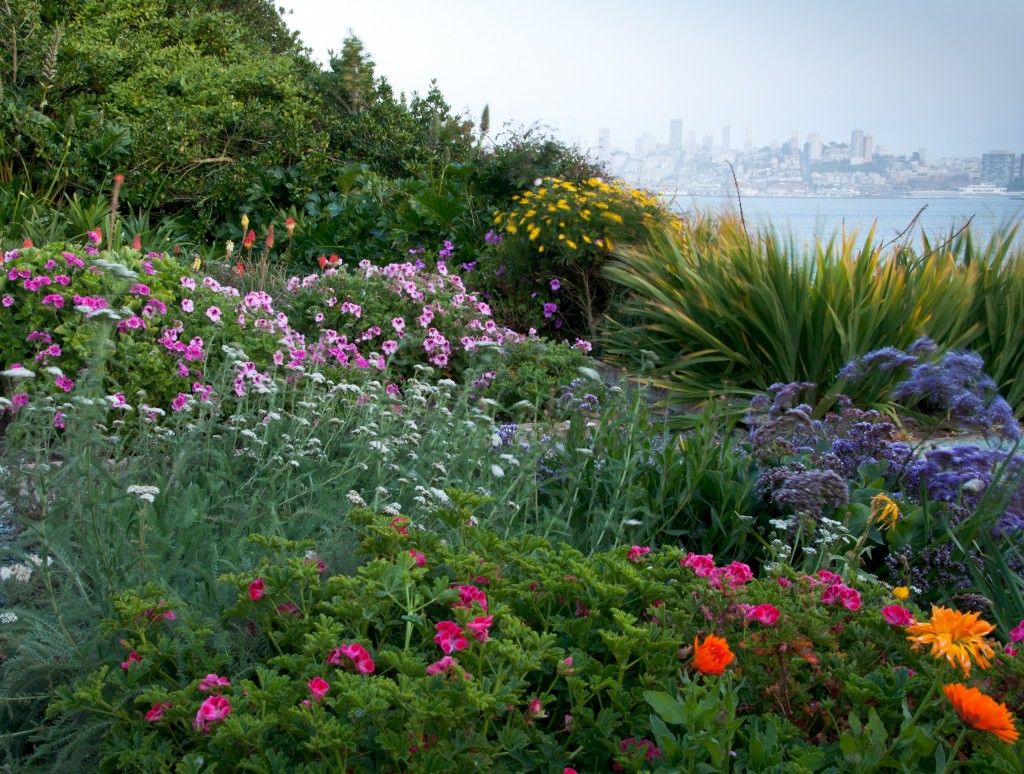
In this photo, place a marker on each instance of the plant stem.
(951, 761)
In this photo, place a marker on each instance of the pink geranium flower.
(701, 564)
(842, 594)
(64, 383)
(897, 615)
(449, 637)
(1017, 632)
(765, 614)
(318, 688)
(419, 559)
(132, 659)
(256, 589)
(468, 595)
(356, 654)
(156, 712)
(636, 553)
(479, 627)
(443, 664)
(213, 313)
(213, 682)
(213, 710)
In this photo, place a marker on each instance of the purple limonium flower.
(492, 237)
(550, 309)
(555, 285)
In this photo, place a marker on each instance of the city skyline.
(912, 71)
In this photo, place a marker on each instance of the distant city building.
(691, 142)
(748, 143)
(857, 144)
(726, 130)
(813, 146)
(1017, 183)
(707, 143)
(922, 155)
(675, 134)
(997, 167)
(869, 147)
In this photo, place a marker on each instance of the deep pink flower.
(356, 653)
(469, 594)
(214, 709)
(318, 688)
(139, 289)
(419, 559)
(156, 712)
(636, 553)
(765, 614)
(843, 594)
(256, 589)
(179, 402)
(133, 658)
(897, 615)
(701, 564)
(629, 744)
(443, 664)
(56, 300)
(449, 637)
(784, 582)
(1017, 632)
(59, 420)
(64, 383)
(535, 709)
(213, 682)
(7, 300)
(479, 626)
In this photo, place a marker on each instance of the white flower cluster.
(145, 493)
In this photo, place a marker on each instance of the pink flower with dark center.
(213, 682)
(187, 306)
(784, 582)
(442, 665)
(1017, 632)
(636, 553)
(64, 383)
(132, 659)
(156, 712)
(468, 595)
(256, 589)
(897, 615)
(7, 300)
(58, 420)
(214, 709)
(356, 654)
(318, 688)
(179, 402)
(479, 627)
(701, 564)
(449, 637)
(765, 614)
(56, 300)
(139, 289)
(213, 313)
(419, 559)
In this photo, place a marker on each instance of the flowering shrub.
(557, 237)
(452, 648)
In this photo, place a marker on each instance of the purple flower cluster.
(963, 474)
(954, 386)
(811, 491)
(573, 399)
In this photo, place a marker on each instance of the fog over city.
(919, 73)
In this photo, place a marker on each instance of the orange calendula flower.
(712, 656)
(981, 712)
(957, 637)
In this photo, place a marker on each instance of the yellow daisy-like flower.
(884, 510)
(901, 593)
(957, 637)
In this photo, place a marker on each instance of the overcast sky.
(935, 73)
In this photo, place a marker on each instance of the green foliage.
(726, 312)
(566, 638)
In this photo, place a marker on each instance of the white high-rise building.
(748, 143)
(726, 131)
(813, 146)
(869, 146)
(691, 142)
(857, 144)
(675, 134)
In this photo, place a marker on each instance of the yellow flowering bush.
(557, 237)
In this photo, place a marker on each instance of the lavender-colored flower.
(492, 237)
(812, 491)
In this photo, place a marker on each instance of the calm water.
(807, 217)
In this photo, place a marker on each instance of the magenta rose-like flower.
(213, 710)
(765, 614)
(636, 553)
(480, 626)
(213, 682)
(897, 615)
(256, 589)
(449, 637)
(318, 688)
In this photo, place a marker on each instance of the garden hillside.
(339, 434)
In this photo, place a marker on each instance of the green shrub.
(453, 649)
(729, 313)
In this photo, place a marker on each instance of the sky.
(938, 74)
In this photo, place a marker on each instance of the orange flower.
(289, 225)
(249, 239)
(957, 637)
(981, 712)
(712, 656)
